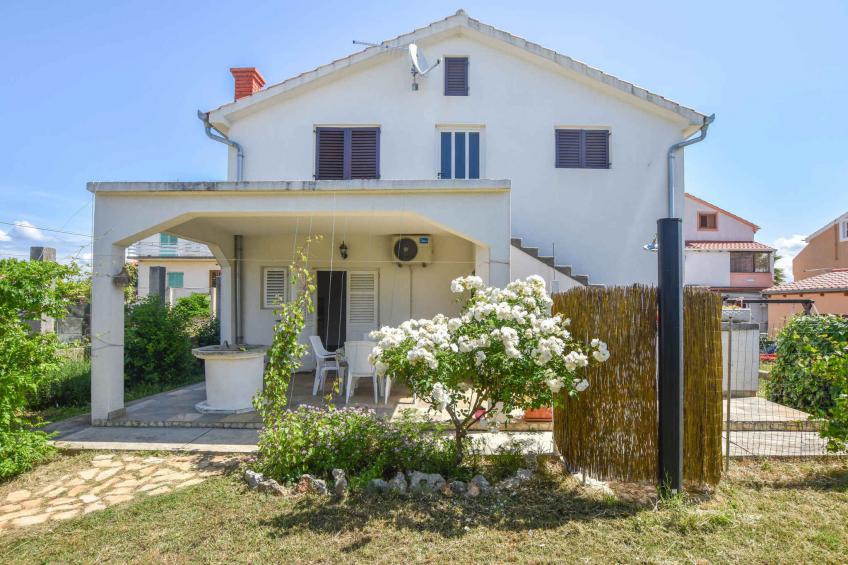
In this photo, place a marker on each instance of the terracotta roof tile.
(727, 246)
(834, 281)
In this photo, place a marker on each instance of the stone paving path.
(109, 479)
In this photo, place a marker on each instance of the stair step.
(551, 262)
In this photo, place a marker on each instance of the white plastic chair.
(358, 367)
(325, 361)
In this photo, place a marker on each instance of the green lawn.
(773, 512)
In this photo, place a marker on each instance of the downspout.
(238, 316)
(672, 151)
(221, 138)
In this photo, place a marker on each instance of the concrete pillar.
(107, 333)
(157, 285)
(46, 324)
(225, 303)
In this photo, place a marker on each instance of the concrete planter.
(233, 377)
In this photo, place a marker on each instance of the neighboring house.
(190, 268)
(829, 292)
(503, 151)
(721, 254)
(826, 249)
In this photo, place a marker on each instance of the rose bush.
(504, 351)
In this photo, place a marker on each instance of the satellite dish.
(419, 62)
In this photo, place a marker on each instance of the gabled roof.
(723, 211)
(460, 23)
(827, 226)
(727, 246)
(834, 281)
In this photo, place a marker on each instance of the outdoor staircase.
(551, 262)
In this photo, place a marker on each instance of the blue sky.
(109, 90)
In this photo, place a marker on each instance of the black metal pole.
(670, 242)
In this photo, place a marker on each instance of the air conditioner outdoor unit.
(413, 248)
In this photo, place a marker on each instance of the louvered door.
(362, 304)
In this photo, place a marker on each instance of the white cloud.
(5, 236)
(28, 231)
(788, 248)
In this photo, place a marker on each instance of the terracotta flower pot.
(543, 414)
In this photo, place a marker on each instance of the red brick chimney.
(248, 81)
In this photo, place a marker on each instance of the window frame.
(753, 268)
(582, 146)
(706, 215)
(346, 151)
(843, 230)
(467, 60)
(453, 130)
(169, 274)
(263, 298)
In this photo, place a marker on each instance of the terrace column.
(492, 264)
(107, 332)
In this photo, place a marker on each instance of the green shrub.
(507, 458)
(194, 306)
(69, 384)
(157, 345)
(316, 441)
(29, 290)
(20, 450)
(206, 331)
(798, 377)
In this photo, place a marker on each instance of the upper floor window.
(750, 262)
(707, 221)
(843, 230)
(456, 76)
(459, 154)
(167, 245)
(582, 148)
(347, 153)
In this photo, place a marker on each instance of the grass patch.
(780, 512)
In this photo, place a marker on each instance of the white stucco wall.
(729, 228)
(430, 292)
(597, 219)
(708, 268)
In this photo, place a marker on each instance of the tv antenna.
(420, 67)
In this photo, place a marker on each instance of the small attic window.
(456, 76)
(707, 221)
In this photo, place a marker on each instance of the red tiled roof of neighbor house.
(728, 246)
(834, 281)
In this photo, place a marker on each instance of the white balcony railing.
(181, 248)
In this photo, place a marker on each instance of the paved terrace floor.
(168, 421)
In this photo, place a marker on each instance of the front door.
(331, 308)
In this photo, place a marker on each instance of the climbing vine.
(286, 353)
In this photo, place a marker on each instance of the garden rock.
(377, 486)
(252, 478)
(271, 486)
(310, 484)
(481, 483)
(397, 484)
(339, 482)
(458, 488)
(426, 482)
(521, 476)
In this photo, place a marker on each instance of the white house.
(502, 151)
(721, 254)
(190, 268)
